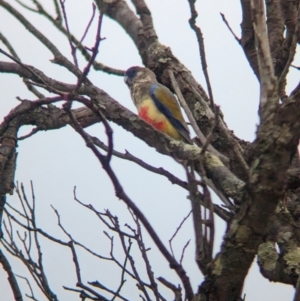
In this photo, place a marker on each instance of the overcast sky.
(56, 161)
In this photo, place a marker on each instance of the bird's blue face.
(130, 74)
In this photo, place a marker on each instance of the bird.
(156, 104)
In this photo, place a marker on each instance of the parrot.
(156, 104)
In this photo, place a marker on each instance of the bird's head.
(138, 74)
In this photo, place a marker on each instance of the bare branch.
(171, 286)
(112, 110)
(95, 49)
(89, 24)
(267, 78)
(177, 230)
(123, 196)
(58, 18)
(199, 35)
(128, 156)
(30, 288)
(143, 251)
(122, 275)
(230, 29)
(193, 121)
(235, 145)
(197, 221)
(8, 46)
(103, 287)
(78, 274)
(57, 22)
(58, 57)
(73, 48)
(183, 250)
(35, 267)
(27, 7)
(11, 277)
(297, 291)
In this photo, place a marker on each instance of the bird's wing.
(167, 104)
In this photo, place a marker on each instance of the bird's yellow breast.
(149, 112)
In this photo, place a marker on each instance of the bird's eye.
(132, 73)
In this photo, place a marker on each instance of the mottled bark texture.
(265, 198)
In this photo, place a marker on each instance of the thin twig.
(15, 55)
(268, 81)
(57, 22)
(58, 57)
(78, 274)
(89, 24)
(123, 280)
(35, 268)
(30, 288)
(296, 67)
(108, 129)
(33, 132)
(192, 120)
(175, 233)
(16, 60)
(197, 218)
(123, 196)
(27, 7)
(143, 251)
(73, 48)
(11, 277)
(95, 50)
(103, 287)
(230, 29)
(199, 36)
(58, 19)
(120, 232)
(297, 290)
(235, 145)
(8, 46)
(211, 133)
(183, 250)
(34, 229)
(128, 156)
(202, 138)
(82, 294)
(140, 283)
(171, 286)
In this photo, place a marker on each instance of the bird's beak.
(126, 80)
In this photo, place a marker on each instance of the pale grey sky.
(56, 161)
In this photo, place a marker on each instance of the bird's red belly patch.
(144, 114)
